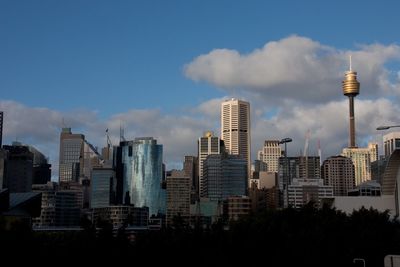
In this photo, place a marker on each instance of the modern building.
(142, 174)
(191, 168)
(235, 129)
(391, 142)
(207, 145)
(71, 156)
(302, 191)
(103, 187)
(270, 154)
(236, 207)
(224, 176)
(338, 172)
(288, 170)
(18, 168)
(362, 159)
(178, 196)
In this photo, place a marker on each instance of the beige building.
(338, 172)
(235, 129)
(362, 158)
(207, 145)
(270, 154)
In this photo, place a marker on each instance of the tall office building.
(362, 159)
(178, 196)
(71, 156)
(103, 187)
(207, 145)
(235, 129)
(224, 176)
(391, 142)
(142, 174)
(191, 168)
(1, 128)
(270, 154)
(338, 172)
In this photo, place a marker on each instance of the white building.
(235, 129)
(302, 191)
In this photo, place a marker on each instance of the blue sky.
(93, 62)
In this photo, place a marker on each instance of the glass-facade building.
(225, 176)
(103, 187)
(71, 155)
(142, 174)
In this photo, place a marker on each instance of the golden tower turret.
(351, 88)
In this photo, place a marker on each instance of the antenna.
(63, 123)
(350, 62)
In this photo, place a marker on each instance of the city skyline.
(98, 65)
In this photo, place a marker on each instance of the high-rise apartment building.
(71, 156)
(362, 158)
(235, 129)
(207, 145)
(270, 154)
(338, 172)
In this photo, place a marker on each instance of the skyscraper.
(142, 174)
(71, 156)
(103, 187)
(235, 129)
(338, 172)
(270, 154)
(351, 88)
(207, 145)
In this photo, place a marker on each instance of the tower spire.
(350, 62)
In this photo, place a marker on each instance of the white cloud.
(295, 68)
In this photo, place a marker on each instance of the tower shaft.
(352, 132)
